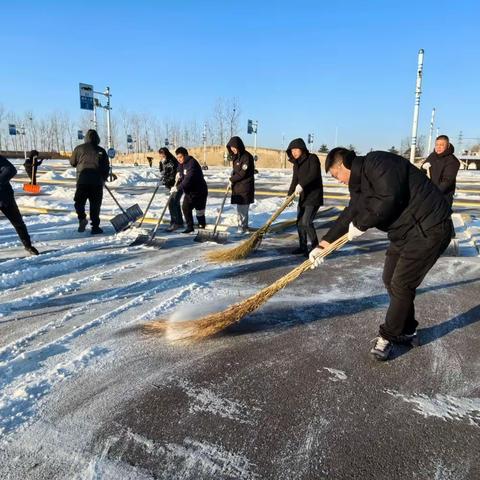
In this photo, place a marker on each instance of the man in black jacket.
(93, 168)
(307, 184)
(242, 181)
(31, 164)
(442, 167)
(389, 193)
(192, 183)
(169, 167)
(9, 207)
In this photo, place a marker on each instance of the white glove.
(177, 177)
(298, 190)
(315, 257)
(354, 232)
(427, 166)
(173, 190)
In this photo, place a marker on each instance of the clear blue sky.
(296, 66)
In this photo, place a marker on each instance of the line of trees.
(58, 131)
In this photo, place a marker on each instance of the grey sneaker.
(382, 348)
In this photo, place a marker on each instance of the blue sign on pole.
(12, 129)
(86, 96)
(80, 134)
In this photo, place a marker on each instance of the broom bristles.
(194, 330)
(248, 246)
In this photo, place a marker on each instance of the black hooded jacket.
(169, 168)
(243, 173)
(443, 171)
(307, 172)
(7, 172)
(192, 181)
(32, 160)
(91, 161)
(389, 193)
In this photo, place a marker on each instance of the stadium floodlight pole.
(430, 135)
(416, 110)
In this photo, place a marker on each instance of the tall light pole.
(204, 138)
(430, 135)
(416, 109)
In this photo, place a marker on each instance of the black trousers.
(405, 268)
(197, 202)
(11, 211)
(306, 230)
(94, 195)
(175, 209)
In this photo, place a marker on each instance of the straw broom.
(194, 330)
(248, 246)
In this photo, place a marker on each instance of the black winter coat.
(443, 171)
(389, 193)
(7, 172)
(243, 173)
(307, 172)
(92, 163)
(169, 168)
(192, 181)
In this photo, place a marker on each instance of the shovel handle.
(116, 201)
(149, 204)
(154, 232)
(221, 209)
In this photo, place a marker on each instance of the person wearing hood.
(387, 192)
(31, 164)
(192, 184)
(307, 185)
(242, 181)
(442, 167)
(9, 207)
(169, 167)
(93, 167)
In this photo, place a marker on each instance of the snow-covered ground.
(72, 354)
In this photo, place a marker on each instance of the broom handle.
(149, 204)
(154, 232)
(282, 207)
(221, 209)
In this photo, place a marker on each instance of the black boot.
(189, 229)
(82, 225)
(201, 221)
(300, 251)
(96, 231)
(32, 250)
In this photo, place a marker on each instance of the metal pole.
(109, 126)
(255, 139)
(284, 153)
(205, 144)
(94, 116)
(416, 110)
(430, 135)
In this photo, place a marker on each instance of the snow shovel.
(32, 187)
(217, 237)
(150, 240)
(128, 217)
(149, 204)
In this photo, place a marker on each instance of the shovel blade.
(28, 187)
(134, 212)
(206, 236)
(148, 241)
(120, 222)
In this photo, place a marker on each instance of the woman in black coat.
(169, 169)
(307, 184)
(242, 181)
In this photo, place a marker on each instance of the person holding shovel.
(192, 184)
(242, 181)
(387, 192)
(9, 207)
(169, 168)
(442, 167)
(93, 167)
(307, 184)
(31, 164)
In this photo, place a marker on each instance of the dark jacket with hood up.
(169, 168)
(91, 161)
(7, 172)
(243, 173)
(192, 181)
(307, 173)
(443, 171)
(389, 193)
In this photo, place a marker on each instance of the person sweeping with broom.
(242, 181)
(307, 185)
(192, 184)
(389, 193)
